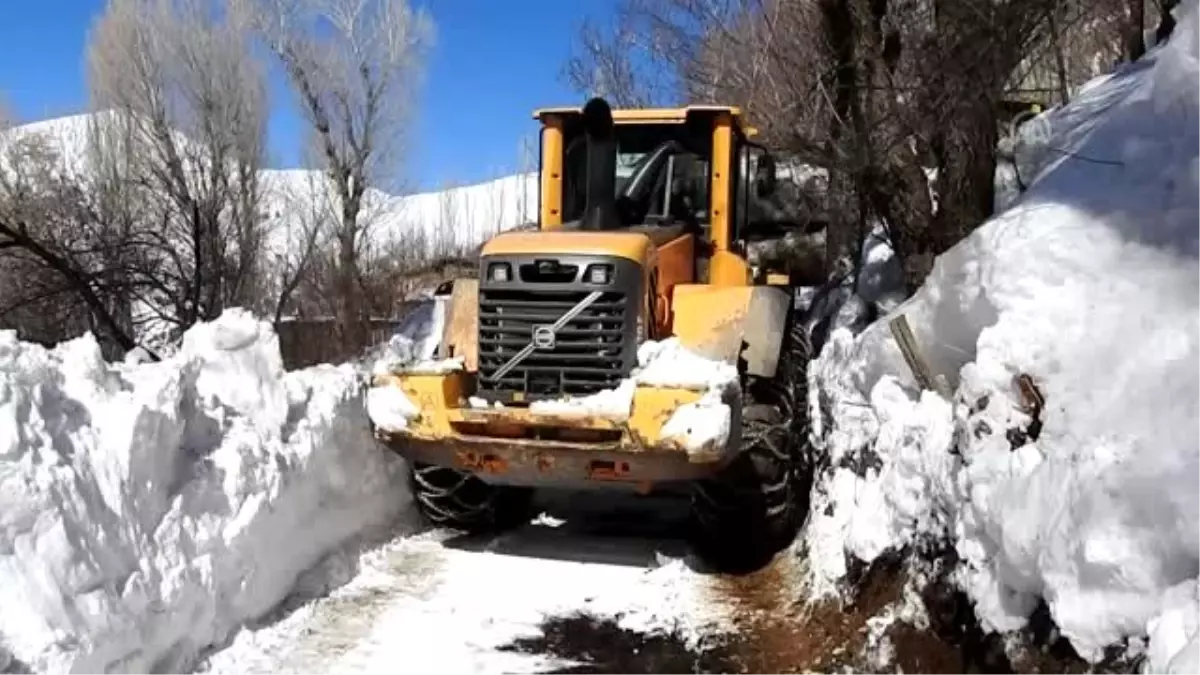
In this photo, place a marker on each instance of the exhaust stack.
(600, 203)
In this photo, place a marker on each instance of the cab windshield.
(673, 167)
(663, 178)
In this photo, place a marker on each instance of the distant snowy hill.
(456, 217)
(68, 135)
(462, 216)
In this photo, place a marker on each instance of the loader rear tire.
(459, 500)
(753, 509)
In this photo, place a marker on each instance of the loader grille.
(590, 352)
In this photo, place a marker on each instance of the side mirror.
(765, 179)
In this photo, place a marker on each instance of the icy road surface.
(448, 601)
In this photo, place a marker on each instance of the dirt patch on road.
(776, 633)
(599, 645)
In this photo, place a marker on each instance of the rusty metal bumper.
(518, 446)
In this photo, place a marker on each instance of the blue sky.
(493, 63)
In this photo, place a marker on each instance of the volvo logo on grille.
(543, 336)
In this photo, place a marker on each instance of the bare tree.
(54, 240)
(305, 216)
(497, 211)
(875, 92)
(185, 137)
(355, 66)
(619, 62)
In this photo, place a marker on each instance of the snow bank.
(1081, 489)
(147, 511)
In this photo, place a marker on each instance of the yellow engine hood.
(630, 245)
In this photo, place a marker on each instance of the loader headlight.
(599, 274)
(499, 272)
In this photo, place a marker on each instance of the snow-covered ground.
(1064, 467)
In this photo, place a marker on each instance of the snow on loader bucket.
(626, 343)
(634, 447)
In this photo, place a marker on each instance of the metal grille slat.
(536, 358)
(534, 319)
(590, 351)
(605, 339)
(546, 306)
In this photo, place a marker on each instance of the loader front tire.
(447, 497)
(753, 509)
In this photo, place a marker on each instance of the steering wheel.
(634, 200)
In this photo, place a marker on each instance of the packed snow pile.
(700, 427)
(147, 511)
(1064, 467)
(661, 363)
(614, 404)
(415, 342)
(412, 349)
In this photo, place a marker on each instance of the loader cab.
(661, 175)
(677, 171)
(640, 231)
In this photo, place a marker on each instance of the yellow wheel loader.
(644, 219)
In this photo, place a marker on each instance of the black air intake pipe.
(600, 203)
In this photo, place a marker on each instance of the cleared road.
(458, 603)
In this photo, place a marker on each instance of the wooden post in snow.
(916, 361)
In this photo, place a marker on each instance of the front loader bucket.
(651, 440)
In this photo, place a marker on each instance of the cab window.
(678, 178)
